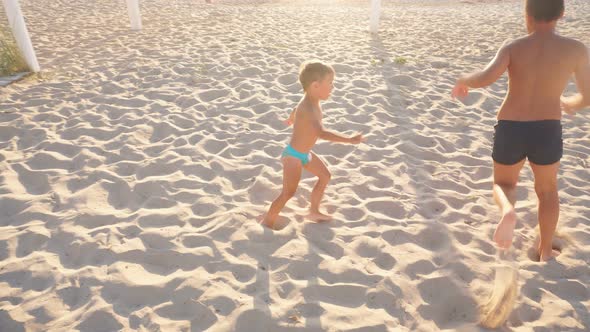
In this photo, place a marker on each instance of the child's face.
(325, 86)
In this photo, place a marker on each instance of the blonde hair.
(313, 71)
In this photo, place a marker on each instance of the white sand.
(132, 172)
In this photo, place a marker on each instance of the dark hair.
(313, 71)
(544, 10)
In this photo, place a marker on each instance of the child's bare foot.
(554, 252)
(505, 230)
(318, 216)
(265, 221)
(551, 255)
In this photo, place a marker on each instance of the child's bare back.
(540, 65)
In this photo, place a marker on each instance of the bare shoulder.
(580, 49)
(505, 48)
(571, 41)
(573, 46)
(509, 45)
(510, 42)
(516, 42)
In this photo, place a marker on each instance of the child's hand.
(357, 139)
(291, 120)
(460, 90)
(565, 106)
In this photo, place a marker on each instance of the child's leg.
(319, 169)
(505, 180)
(291, 175)
(546, 189)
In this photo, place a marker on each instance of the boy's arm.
(582, 99)
(487, 76)
(330, 136)
(291, 119)
(333, 137)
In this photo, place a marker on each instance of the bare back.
(540, 66)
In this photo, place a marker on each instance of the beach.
(135, 167)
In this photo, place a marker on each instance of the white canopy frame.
(21, 34)
(134, 14)
(375, 15)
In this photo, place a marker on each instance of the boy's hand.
(357, 139)
(460, 90)
(291, 118)
(566, 107)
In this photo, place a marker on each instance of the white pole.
(134, 14)
(375, 13)
(19, 30)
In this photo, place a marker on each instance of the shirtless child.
(539, 67)
(316, 79)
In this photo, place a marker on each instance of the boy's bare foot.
(505, 230)
(555, 251)
(318, 216)
(545, 258)
(264, 221)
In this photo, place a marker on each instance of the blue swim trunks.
(538, 141)
(290, 152)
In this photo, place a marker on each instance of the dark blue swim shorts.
(539, 141)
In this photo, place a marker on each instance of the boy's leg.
(291, 175)
(319, 169)
(505, 180)
(546, 189)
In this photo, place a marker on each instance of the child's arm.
(330, 136)
(291, 119)
(333, 137)
(489, 75)
(573, 104)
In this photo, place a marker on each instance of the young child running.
(317, 81)
(529, 127)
